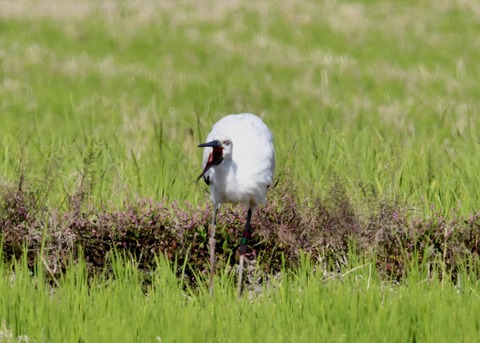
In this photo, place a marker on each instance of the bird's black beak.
(212, 144)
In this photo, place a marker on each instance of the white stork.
(238, 165)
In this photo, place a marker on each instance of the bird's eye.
(226, 142)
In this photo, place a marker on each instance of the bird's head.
(221, 149)
(221, 146)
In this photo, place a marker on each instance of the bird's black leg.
(211, 241)
(242, 250)
(247, 233)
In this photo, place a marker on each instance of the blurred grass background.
(112, 97)
(381, 96)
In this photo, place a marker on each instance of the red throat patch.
(215, 158)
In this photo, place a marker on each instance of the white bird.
(238, 165)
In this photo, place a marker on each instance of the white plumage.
(238, 164)
(245, 176)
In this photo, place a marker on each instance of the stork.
(238, 165)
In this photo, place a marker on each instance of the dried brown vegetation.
(324, 229)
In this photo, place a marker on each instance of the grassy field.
(305, 307)
(112, 98)
(381, 95)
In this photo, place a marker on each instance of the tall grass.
(101, 102)
(377, 94)
(301, 306)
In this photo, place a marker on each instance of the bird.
(239, 166)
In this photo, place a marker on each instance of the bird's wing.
(253, 149)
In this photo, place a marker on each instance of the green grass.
(380, 96)
(303, 307)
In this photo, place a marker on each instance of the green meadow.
(108, 100)
(304, 307)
